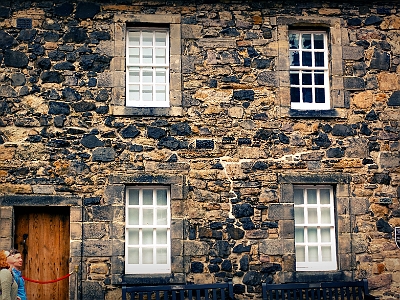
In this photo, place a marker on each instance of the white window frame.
(143, 66)
(140, 267)
(303, 244)
(310, 69)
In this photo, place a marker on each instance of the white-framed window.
(147, 234)
(315, 234)
(147, 67)
(309, 70)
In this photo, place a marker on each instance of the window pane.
(318, 41)
(147, 55)
(161, 76)
(312, 235)
(319, 95)
(134, 75)
(299, 215)
(147, 217)
(161, 255)
(161, 38)
(147, 236)
(319, 78)
(161, 236)
(294, 78)
(147, 197)
(161, 197)
(133, 236)
(147, 38)
(312, 216)
(294, 58)
(325, 234)
(133, 197)
(147, 255)
(133, 255)
(134, 93)
(325, 215)
(306, 41)
(294, 94)
(162, 216)
(307, 95)
(134, 57)
(306, 59)
(299, 235)
(326, 253)
(298, 197)
(319, 59)
(325, 196)
(134, 38)
(306, 78)
(294, 41)
(133, 216)
(147, 93)
(147, 76)
(313, 254)
(300, 254)
(161, 56)
(160, 93)
(311, 196)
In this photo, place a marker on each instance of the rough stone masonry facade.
(229, 146)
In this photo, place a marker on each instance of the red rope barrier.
(49, 281)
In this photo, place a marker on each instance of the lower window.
(147, 236)
(315, 234)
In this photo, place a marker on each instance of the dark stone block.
(92, 82)
(212, 83)
(70, 94)
(52, 77)
(58, 108)
(102, 110)
(226, 266)
(335, 152)
(105, 154)
(136, 148)
(228, 139)
(6, 40)
(51, 36)
(239, 288)
(252, 52)
(372, 20)
(244, 263)
(244, 141)
(322, 140)
(155, 132)
(247, 223)
(353, 83)
(343, 130)
(91, 201)
(243, 210)
(44, 63)
(223, 248)
(371, 116)
(59, 121)
(394, 99)
(18, 79)
(92, 290)
(381, 178)
(230, 32)
(269, 224)
(213, 268)
(261, 116)
(197, 267)
(383, 226)
(261, 63)
(204, 144)
(380, 60)
(172, 158)
(5, 12)
(27, 35)
(102, 96)
(65, 65)
(217, 166)
(235, 232)
(374, 146)
(260, 165)
(365, 130)
(268, 78)
(252, 278)
(283, 138)
(15, 59)
(86, 10)
(63, 10)
(95, 62)
(354, 22)
(91, 141)
(82, 106)
(182, 129)
(130, 132)
(56, 55)
(263, 134)
(172, 143)
(271, 269)
(58, 143)
(244, 95)
(100, 35)
(75, 35)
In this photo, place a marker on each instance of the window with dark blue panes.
(309, 70)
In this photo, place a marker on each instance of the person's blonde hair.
(3, 260)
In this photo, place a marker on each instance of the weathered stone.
(52, 77)
(103, 154)
(353, 83)
(75, 35)
(58, 108)
(6, 40)
(91, 141)
(267, 78)
(86, 10)
(15, 59)
(82, 106)
(380, 60)
(394, 99)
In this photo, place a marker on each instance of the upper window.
(147, 67)
(309, 72)
(315, 236)
(148, 224)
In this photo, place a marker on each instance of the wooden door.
(42, 237)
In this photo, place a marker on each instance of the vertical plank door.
(42, 235)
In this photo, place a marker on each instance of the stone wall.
(230, 147)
